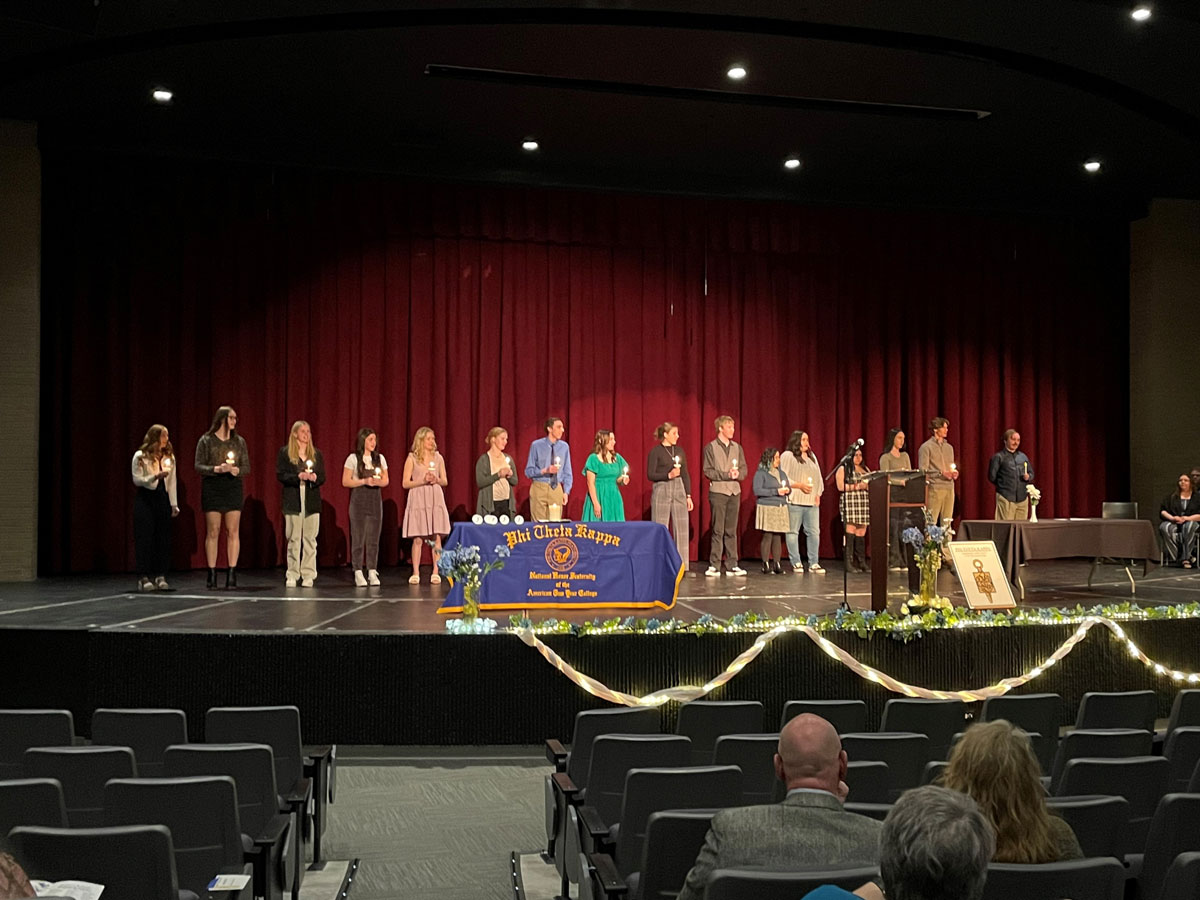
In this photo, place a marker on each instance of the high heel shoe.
(766, 568)
(776, 568)
(211, 582)
(231, 577)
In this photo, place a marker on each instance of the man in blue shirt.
(1010, 471)
(549, 470)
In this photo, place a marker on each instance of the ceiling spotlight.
(529, 144)
(791, 163)
(1092, 166)
(162, 95)
(737, 73)
(1141, 12)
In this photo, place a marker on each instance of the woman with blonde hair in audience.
(994, 764)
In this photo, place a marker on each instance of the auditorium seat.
(939, 720)
(1095, 879)
(21, 729)
(31, 801)
(1173, 830)
(703, 721)
(904, 752)
(1118, 709)
(299, 770)
(1183, 751)
(868, 779)
(147, 731)
(202, 815)
(1033, 713)
(589, 724)
(754, 754)
(82, 772)
(1110, 743)
(1183, 878)
(103, 856)
(1185, 713)
(673, 841)
(740, 884)
(846, 716)
(1099, 821)
(270, 830)
(1142, 780)
(933, 771)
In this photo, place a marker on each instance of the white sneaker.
(798, 567)
(816, 570)
(289, 582)
(307, 582)
(373, 578)
(712, 571)
(737, 570)
(360, 580)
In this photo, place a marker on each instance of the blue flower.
(936, 533)
(628, 622)
(912, 536)
(502, 551)
(705, 620)
(812, 621)
(653, 625)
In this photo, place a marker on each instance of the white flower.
(1035, 495)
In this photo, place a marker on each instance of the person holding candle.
(548, 468)
(724, 467)
(1010, 471)
(803, 473)
(495, 477)
(771, 513)
(426, 517)
(365, 472)
(855, 510)
(605, 469)
(936, 460)
(671, 496)
(300, 468)
(154, 505)
(222, 461)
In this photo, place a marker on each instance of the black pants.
(152, 531)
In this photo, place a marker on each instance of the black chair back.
(869, 781)
(703, 721)
(21, 729)
(1142, 780)
(1118, 709)
(846, 716)
(147, 731)
(82, 772)
(1185, 711)
(613, 755)
(673, 841)
(1033, 713)
(904, 752)
(1183, 878)
(1183, 750)
(754, 754)
(1099, 822)
(591, 723)
(1174, 830)
(276, 726)
(1096, 879)
(740, 884)
(133, 862)
(30, 801)
(939, 720)
(1112, 743)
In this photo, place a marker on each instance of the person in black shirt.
(1010, 471)
(1180, 514)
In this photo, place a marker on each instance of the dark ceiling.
(986, 104)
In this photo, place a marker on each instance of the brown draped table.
(1019, 542)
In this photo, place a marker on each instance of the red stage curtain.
(349, 301)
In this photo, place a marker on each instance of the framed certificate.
(981, 575)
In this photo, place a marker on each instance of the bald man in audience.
(809, 829)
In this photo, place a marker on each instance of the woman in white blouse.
(154, 505)
(365, 472)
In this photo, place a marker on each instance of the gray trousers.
(725, 508)
(668, 506)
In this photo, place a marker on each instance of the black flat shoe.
(231, 577)
(211, 581)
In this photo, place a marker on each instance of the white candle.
(230, 457)
(626, 470)
(166, 464)
(677, 462)
(953, 467)
(508, 461)
(810, 481)
(558, 460)
(378, 472)
(432, 465)
(308, 464)
(735, 462)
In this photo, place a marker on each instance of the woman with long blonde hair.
(994, 763)
(300, 468)
(426, 517)
(154, 505)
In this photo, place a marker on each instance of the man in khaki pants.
(936, 460)
(549, 471)
(1010, 471)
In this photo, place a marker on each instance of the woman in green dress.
(605, 469)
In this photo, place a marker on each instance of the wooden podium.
(903, 490)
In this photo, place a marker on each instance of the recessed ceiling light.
(737, 73)
(529, 144)
(162, 95)
(1092, 165)
(791, 163)
(1141, 12)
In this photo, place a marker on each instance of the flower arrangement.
(1035, 497)
(929, 546)
(464, 563)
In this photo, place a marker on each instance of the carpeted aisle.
(436, 828)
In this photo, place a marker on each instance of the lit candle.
(229, 458)
(558, 460)
(1026, 465)
(626, 470)
(953, 467)
(308, 464)
(508, 461)
(810, 481)
(378, 472)
(432, 465)
(677, 462)
(735, 462)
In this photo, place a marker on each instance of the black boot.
(848, 553)
(231, 577)
(860, 553)
(211, 582)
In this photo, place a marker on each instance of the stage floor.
(262, 604)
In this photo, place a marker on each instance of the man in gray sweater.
(808, 830)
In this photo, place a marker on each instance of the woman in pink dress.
(426, 517)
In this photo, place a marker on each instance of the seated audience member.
(1180, 513)
(808, 830)
(995, 765)
(935, 845)
(14, 883)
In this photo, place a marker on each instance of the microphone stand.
(845, 461)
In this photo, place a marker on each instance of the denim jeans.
(808, 518)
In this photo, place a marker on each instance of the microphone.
(850, 450)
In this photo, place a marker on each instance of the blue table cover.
(572, 565)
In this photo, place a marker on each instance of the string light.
(684, 693)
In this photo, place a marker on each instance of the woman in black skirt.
(154, 505)
(222, 461)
